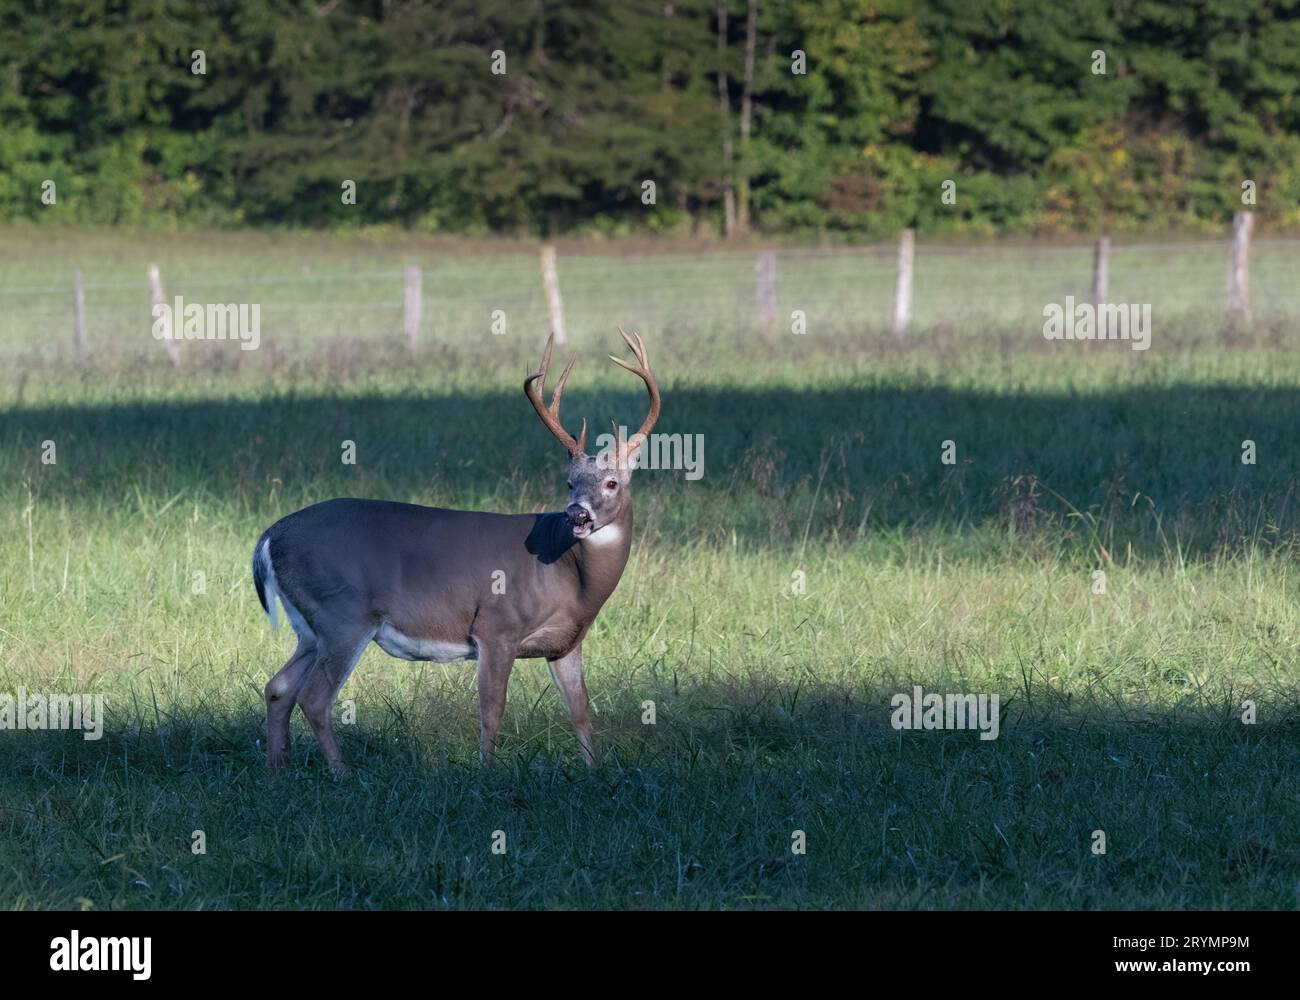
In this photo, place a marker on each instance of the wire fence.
(842, 291)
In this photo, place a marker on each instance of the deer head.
(598, 486)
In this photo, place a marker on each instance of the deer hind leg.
(281, 695)
(567, 674)
(336, 657)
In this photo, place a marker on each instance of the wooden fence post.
(903, 288)
(1239, 267)
(170, 344)
(414, 306)
(551, 283)
(1101, 271)
(79, 316)
(765, 291)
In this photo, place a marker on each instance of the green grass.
(1120, 711)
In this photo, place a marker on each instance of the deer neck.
(601, 556)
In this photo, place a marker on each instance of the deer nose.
(577, 514)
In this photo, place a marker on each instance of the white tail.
(268, 591)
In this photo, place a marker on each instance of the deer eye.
(569, 485)
(611, 484)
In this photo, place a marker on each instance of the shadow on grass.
(1158, 468)
(788, 797)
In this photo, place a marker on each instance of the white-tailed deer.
(430, 584)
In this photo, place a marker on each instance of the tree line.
(539, 116)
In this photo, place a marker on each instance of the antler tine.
(642, 370)
(555, 404)
(559, 388)
(638, 348)
(644, 367)
(641, 354)
(535, 385)
(546, 358)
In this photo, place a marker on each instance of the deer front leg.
(495, 661)
(567, 674)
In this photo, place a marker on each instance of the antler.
(643, 371)
(551, 414)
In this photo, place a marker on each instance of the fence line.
(751, 287)
(846, 254)
(723, 257)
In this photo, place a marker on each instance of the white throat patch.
(610, 534)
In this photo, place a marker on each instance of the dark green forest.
(546, 117)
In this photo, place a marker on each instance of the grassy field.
(1121, 711)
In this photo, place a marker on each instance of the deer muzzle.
(580, 518)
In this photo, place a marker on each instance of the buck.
(424, 583)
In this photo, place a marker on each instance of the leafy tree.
(1001, 97)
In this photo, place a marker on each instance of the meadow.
(1098, 555)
